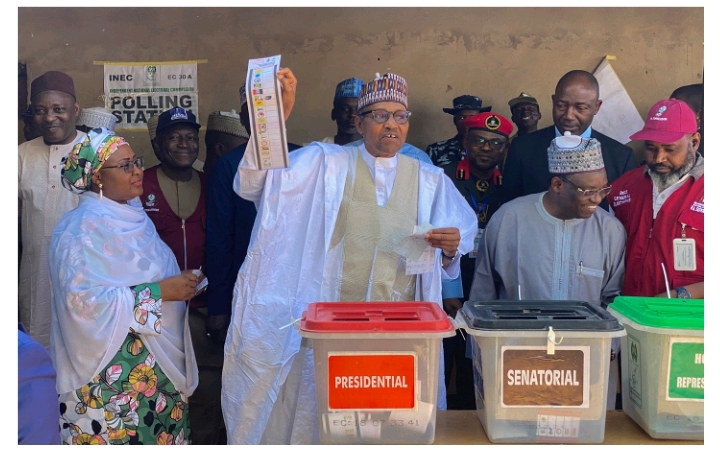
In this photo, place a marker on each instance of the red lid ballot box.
(376, 369)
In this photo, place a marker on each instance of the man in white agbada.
(42, 199)
(557, 245)
(326, 230)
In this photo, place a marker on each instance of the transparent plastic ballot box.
(376, 368)
(663, 364)
(541, 369)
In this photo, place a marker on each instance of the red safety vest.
(650, 241)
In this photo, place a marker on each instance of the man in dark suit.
(575, 103)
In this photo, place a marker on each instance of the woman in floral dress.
(120, 340)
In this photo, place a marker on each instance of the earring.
(100, 185)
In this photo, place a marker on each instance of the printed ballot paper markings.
(372, 381)
(532, 378)
(686, 372)
(263, 91)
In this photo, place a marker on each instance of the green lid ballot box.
(663, 365)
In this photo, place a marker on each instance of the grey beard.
(665, 181)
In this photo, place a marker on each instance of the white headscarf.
(97, 252)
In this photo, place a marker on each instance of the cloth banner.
(134, 92)
(618, 117)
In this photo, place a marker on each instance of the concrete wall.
(494, 53)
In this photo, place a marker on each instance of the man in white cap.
(557, 245)
(330, 200)
(224, 133)
(42, 199)
(93, 118)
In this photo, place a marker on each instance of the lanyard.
(480, 209)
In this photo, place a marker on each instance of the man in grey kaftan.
(557, 245)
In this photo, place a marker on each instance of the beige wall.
(494, 53)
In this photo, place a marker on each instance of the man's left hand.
(446, 239)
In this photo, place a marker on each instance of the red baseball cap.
(667, 122)
(492, 122)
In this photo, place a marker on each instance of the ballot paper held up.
(264, 100)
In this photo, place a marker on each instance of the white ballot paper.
(419, 255)
(262, 89)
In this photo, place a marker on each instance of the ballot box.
(376, 368)
(663, 365)
(541, 369)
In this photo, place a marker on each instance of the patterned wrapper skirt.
(130, 402)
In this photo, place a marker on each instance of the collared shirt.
(407, 149)
(660, 198)
(585, 134)
(383, 172)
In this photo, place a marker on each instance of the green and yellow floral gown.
(131, 401)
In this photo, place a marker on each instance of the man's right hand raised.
(289, 86)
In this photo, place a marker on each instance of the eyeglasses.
(129, 166)
(494, 143)
(590, 193)
(381, 116)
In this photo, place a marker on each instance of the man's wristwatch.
(450, 258)
(682, 293)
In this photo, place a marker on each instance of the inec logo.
(150, 75)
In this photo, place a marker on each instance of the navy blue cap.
(175, 116)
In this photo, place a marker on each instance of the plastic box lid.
(658, 312)
(538, 315)
(375, 317)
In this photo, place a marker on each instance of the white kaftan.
(44, 201)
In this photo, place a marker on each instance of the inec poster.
(134, 92)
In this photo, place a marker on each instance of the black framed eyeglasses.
(129, 166)
(381, 116)
(604, 191)
(494, 143)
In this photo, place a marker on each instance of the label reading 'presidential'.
(371, 381)
(532, 378)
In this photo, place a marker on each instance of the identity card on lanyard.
(684, 253)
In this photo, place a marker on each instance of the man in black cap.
(173, 192)
(174, 198)
(448, 151)
(42, 199)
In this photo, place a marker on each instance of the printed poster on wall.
(134, 92)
